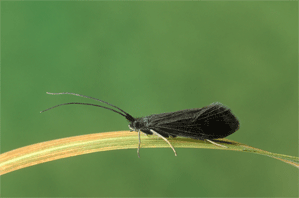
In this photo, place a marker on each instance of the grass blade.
(83, 144)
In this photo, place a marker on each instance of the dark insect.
(207, 123)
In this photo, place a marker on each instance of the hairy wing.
(211, 122)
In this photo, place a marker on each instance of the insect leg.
(154, 132)
(131, 129)
(216, 143)
(138, 143)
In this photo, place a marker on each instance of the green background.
(146, 58)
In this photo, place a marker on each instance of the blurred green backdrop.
(150, 57)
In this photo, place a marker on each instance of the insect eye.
(137, 125)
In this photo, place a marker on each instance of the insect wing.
(211, 122)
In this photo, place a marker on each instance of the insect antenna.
(123, 113)
(82, 104)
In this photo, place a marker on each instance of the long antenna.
(83, 104)
(87, 97)
(125, 114)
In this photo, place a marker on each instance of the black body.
(210, 122)
(207, 123)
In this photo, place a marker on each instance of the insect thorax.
(141, 124)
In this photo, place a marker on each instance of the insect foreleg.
(138, 143)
